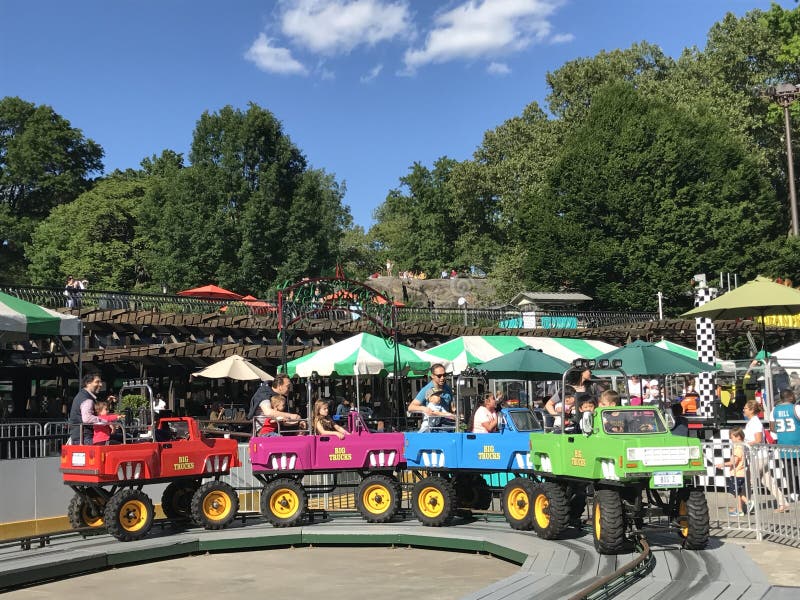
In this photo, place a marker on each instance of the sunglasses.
(439, 374)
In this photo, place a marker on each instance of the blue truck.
(450, 468)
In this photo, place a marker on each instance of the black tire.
(129, 515)
(608, 521)
(214, 505)
(550, 510)
(518, 503)
(176, 501)
(693, 520)
(85, 512)
(378, 498)
(433, 501)
(472, 491)
(283, 502)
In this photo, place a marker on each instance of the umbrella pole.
(358, 394)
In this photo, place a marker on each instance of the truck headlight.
(694, 452)
(633, 454)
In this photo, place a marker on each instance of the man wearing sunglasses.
(420, 405)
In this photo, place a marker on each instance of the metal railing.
(475, 317)
(771, 482)
(32, 440)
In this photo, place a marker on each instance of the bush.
(133, 401)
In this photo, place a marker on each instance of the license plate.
(667, 479)
(78, 459)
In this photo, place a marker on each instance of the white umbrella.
(234, 367)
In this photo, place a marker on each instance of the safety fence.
(32, 440)
(473, 316)
(763, 499)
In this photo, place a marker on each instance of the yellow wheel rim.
(683, 519)
(431, 502)
(518, 503)
(284, 503)
(541, 511)
(133, 515)
(376, 499)
(89, 519)
(217, 505)
(597, 527)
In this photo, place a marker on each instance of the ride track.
(567, 568)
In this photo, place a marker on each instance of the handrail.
(610, 585)
(137, 301)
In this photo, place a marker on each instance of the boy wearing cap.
(433, 400)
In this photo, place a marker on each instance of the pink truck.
(279, 462)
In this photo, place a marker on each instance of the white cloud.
(373, 73)
(273, 60)
(562, 38)
(497, 68)
(337, 26)
(479, 28)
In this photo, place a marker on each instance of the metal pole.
(790, 160)
(660, 306)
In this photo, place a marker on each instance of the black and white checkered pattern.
(706, 351)
(717, 448)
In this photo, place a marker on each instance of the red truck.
(108, 480)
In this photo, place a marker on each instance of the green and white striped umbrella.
(679, 349)
(472, 350)
(568, 349)
(20, 319)
(362, 354)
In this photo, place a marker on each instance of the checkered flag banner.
(706, 352)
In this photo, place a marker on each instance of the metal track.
(610, 585)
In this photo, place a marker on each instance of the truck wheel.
(433, 501)
(472, 491)
(129, 515)
(693, 518)
(378, 498)
(609, 523)
(517, 503)
(550, 510)
(176, 501)
(85, 512)
(214, 505)
(283, 502)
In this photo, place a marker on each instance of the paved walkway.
(544, 569)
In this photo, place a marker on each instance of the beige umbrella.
(234, 367)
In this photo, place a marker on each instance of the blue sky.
(364, 88)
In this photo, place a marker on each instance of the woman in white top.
(485, 418)
(754, 434)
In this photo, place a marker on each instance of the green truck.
(627, 459)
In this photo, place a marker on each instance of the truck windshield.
(525, 420)
(632, 421)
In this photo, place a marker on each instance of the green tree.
(93, 237)
(44, 163)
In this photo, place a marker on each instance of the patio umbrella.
(569, 349)
(645, 358)
(757, 298)
(472, 350)
(234, 367)
(211, 291)
(20, 319)
(525, 363)
(259, 307)
(362, 354)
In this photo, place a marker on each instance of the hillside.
(444, 292)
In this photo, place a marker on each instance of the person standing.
(69, 291)
(420, 403)
(82, 410)
(753, 436)
(784, 420)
